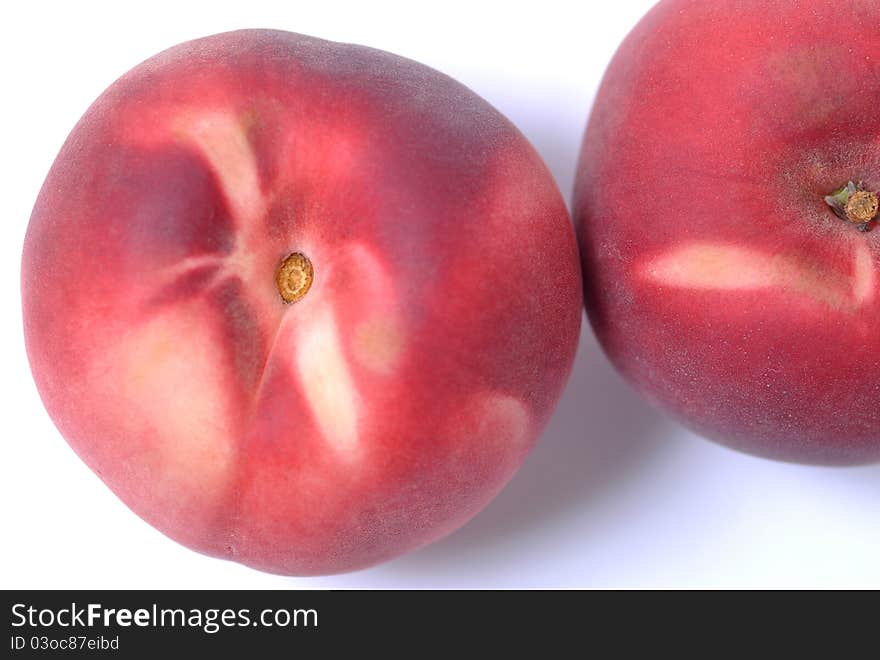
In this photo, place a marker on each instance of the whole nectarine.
(300, 304)
(725, 201)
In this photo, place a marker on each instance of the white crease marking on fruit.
(222, 139)
(169, 374)
(506, 417)
(377, 338)
(377, 343)
(864, 275)
(326, 380)
(724, 267)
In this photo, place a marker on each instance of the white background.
(615, 494)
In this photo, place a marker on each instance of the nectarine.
(300, 304)
(725, 201)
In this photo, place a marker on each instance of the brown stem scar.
(294, 277)
(852, 202)
(861, 206)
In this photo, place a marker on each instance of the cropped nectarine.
(725, 201)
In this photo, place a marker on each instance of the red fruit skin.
(376, 414)
(717, 279)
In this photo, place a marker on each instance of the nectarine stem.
(294, 277)
(852, 202)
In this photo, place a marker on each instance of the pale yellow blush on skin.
(723, 267)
